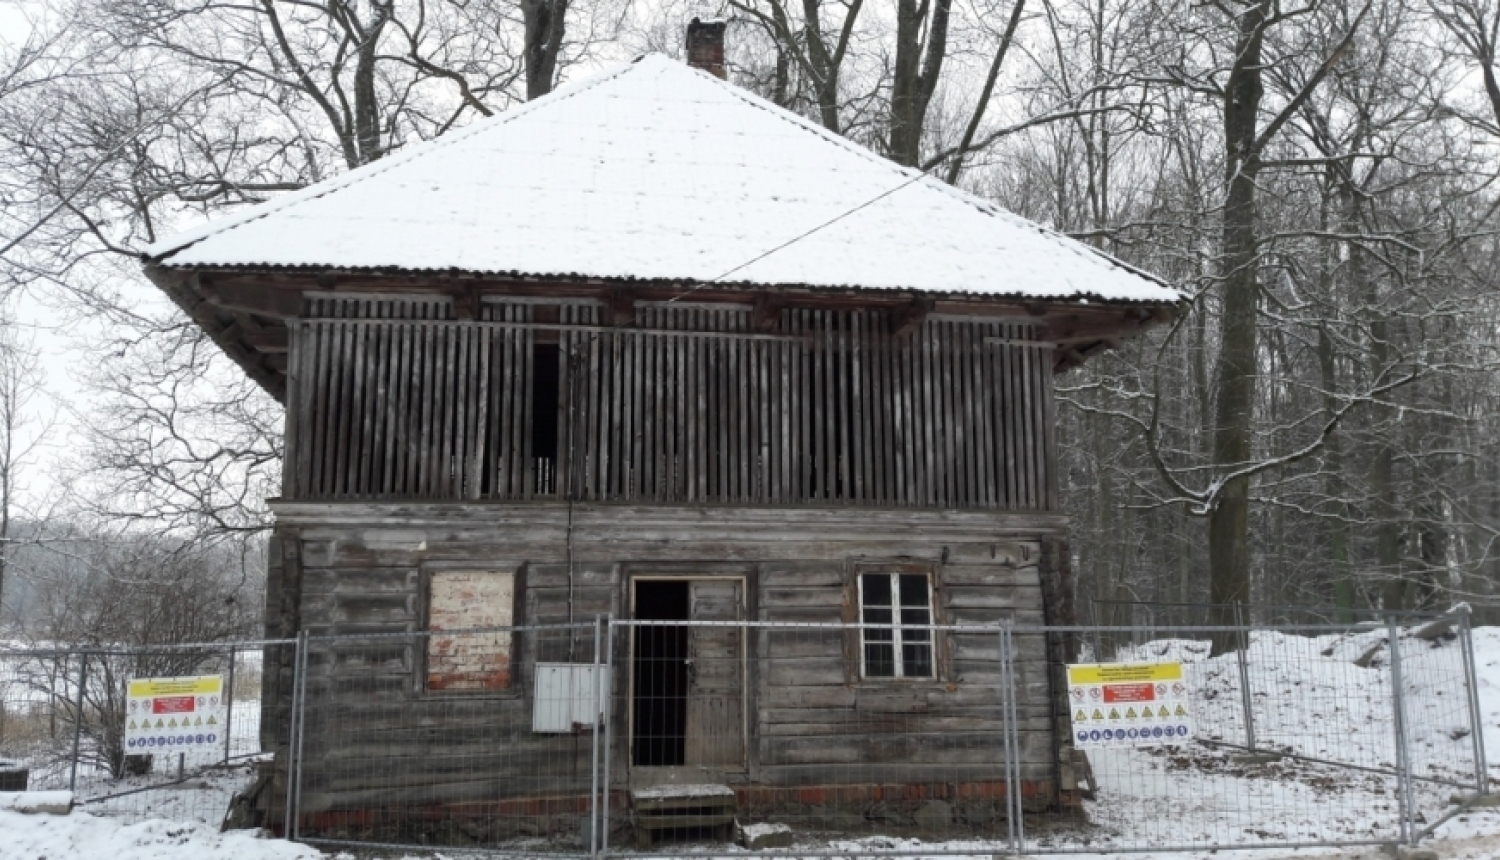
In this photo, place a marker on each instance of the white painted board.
(566, 695)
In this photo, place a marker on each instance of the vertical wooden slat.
(784, 402)
(292, 483)
(342, 404)
(426, 461)
(927, 413)
(1047, 453)
(698, 384)
(594, 411)
(404, 400)
(526, 369)
(983, 442)
(1028, 423)
(480, 409)
(1013, 451)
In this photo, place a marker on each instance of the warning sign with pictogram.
(1148, 703)
(171, 714)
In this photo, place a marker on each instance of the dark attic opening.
(546, 388)
(661, 671)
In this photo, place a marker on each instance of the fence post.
(1243, 659)
(1403, 764)
(229, 707)
(1476, 716)
(83, 678)
(594, 769)
(294, 737)
(1015, 822)
(609, 701)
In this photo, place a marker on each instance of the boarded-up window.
(461, 654)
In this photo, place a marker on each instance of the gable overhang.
(246, 310)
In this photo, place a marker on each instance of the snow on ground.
(88, 837)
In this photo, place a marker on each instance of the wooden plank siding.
(375, 737)
(395, 398)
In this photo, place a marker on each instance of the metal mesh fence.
(800, 737)
(1293, 743)
(479, 738)
(891, 736)
(63, 726)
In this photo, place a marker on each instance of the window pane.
(877, 615)
(916, 660)
(880, 660)
(877, 589)
(913, 589)
(911, 617)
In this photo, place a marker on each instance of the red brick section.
(705, 46)
(1035, 794)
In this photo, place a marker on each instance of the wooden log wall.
(377, 738)
(395, 399)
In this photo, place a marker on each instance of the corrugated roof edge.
(157, 252)
(687, 283)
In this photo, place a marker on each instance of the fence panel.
(480, 738)
(891, 736)
(824, 739)
(1443, 739)
(63, 718)
(1296, 742)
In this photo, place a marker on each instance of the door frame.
(744, 604)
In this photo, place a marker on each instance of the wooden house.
(653, 347)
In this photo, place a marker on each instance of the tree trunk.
(1235, 376)
(915, 74)
(543, 22)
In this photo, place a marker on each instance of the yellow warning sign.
(1110, 673)
(1080, 717)
(1098, 714)
(1114, 713)
(1162, 711)
(1181, 711)
(1130, 713)
(201, 685)
(132, 724)
(212, 721)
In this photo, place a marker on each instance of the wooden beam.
(621, 307)
(911, 317)
(766, 314)
(466, 302)
(268, 340)
(266, 300)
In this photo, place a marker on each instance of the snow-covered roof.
(657, 171)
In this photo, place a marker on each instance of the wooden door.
(716, 677)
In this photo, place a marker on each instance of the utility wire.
(922, 174)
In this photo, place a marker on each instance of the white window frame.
(898, 661)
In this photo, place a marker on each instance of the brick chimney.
(705, 46)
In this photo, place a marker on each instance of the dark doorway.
(661, 675)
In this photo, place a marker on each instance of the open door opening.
(661, 675)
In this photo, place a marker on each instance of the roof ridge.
(177, 242)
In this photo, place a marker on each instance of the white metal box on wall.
(568, 695)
